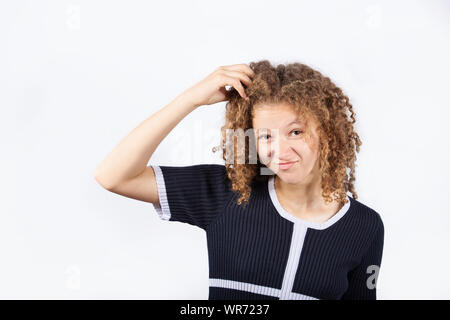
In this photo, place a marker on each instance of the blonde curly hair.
(314, 96)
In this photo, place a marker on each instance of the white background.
(77, 76)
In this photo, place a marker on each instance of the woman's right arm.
(124, 171)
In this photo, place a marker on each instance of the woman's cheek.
(264, 153)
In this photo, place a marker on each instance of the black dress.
(262, 251)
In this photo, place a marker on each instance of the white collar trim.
(314, 225)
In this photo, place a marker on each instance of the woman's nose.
(282, 150)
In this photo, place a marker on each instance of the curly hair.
(310, 94)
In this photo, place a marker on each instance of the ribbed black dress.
(262, 252)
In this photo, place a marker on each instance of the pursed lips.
(286, 162)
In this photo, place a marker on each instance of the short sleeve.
(362, 279)
(194, 194)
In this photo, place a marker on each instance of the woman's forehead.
(276, 119)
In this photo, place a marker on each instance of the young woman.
(278, 226)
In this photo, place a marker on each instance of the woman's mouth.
(286, 165)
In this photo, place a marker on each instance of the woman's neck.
(304, 200)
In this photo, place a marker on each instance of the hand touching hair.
(314, 96)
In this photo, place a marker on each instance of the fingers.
(234, 82)
(233, 75)
(241, 76)
(238, 86)
(239, 67)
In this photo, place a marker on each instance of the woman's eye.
(264, 137)
(299, 131)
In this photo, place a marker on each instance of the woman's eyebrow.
(295, 121)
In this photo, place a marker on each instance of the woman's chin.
(292, 177)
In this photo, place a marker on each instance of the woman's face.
(281, 137)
